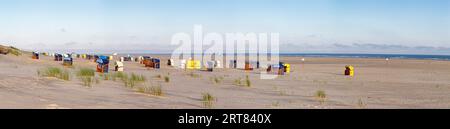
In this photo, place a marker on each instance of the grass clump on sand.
(167, 79)
(208, 100)
(216, 80)
(275, 104)
(86, 75)
(361, 103)
(122, 76)
(153, 90)
(320, 94)
(65, 75)
(52, 72)
(15, 51)
(240, 82)
(55, 72)
(129, 81)
(87, 81)
(86, 72)
(106, 76)
(137, 78)
(248, 83)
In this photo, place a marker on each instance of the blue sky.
(351, 26)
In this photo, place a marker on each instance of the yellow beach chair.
(193, 64)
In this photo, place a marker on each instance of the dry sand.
(377, 84)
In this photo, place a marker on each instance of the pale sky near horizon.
(351, 26)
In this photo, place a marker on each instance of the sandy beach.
(398, 83)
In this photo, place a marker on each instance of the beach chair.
(102, 64)
(183, 64)
(248, 66)
(35, 55)
(148, 62)
(217, 64)
(118, 66)
(287, 68)
(89, 57)
(349, 70)
(156, 63)
(169, 62)
(280, 69)
(145, 58)
(96, 57)
(68, 61)
(193, 64)
(128, 58)
(233, 64)
(58, 57)
(275, 69)
(152, 62)
(210, 66)
(140, 59)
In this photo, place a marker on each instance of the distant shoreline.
(377, 56)
(336, 55)
(319, 55)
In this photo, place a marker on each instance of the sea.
(382, 56)
(332, 55)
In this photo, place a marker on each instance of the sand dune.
(377, 84)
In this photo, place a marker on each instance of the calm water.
(381, 56)
(391, 56)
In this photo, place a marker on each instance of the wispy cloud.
(379, 46)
